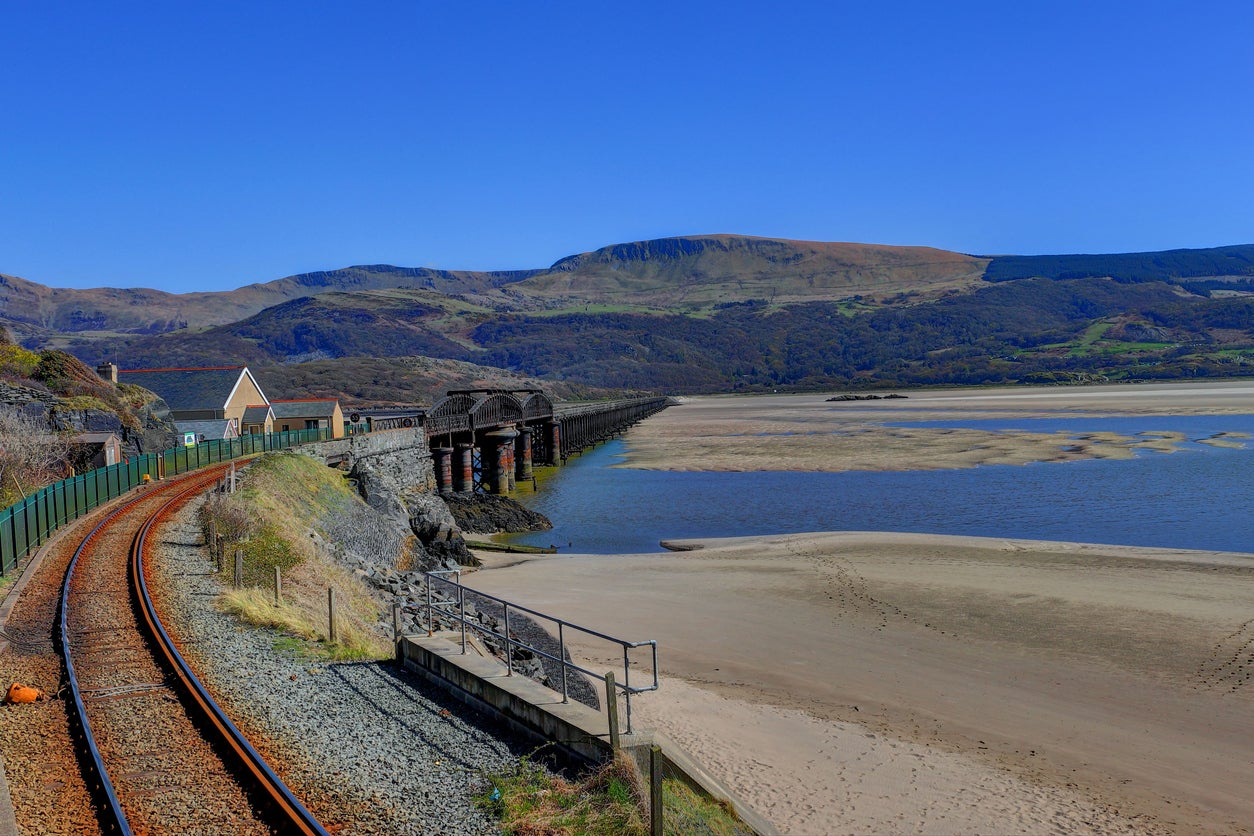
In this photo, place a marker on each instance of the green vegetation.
(1166, 266)
(1002, 332)
(610, 800)
(283, 501)
(16, 363)
(518, 548)
(735, 314)
(530, 800)
(686, 811)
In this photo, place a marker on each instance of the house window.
(311, 425)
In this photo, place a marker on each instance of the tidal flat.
(810, 433)
(909, 682)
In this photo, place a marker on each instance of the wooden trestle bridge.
(489, 439)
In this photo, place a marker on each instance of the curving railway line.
(157, 753)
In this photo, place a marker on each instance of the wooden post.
(213, 540)
(278, 586)
(396, 627)
(239, 568)
(655, 791)
(219, 552)
(611, 705)
(332, 635)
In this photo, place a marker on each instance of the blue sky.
(206, 146)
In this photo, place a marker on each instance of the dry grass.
(687, 811)
(272, 520)
(530, 801)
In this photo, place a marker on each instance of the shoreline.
(883, 682)
(887, 682)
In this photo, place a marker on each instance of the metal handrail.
(459, 601)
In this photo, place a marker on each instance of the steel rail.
(98, 777)
(291, 815)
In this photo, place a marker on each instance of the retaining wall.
(539, 713)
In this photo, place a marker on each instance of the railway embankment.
(304, 690)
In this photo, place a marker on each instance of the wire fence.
(28, 524)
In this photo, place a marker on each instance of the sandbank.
(901, 683)
(807, 432)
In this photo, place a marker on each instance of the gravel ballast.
(365, 745)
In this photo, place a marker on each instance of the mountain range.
(686, 314)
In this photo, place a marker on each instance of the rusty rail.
(280, 808)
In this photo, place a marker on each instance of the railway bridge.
(489, 439)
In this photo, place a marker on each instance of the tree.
(31, 455)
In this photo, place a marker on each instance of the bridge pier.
(443, 460)
(522, 454)
(501, 478)
(553, 443)
(464, 475)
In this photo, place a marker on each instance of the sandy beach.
(867, 682)
(891, 683)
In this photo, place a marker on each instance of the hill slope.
(665, 273)
(728, 313)
(1230, 266)
(695, 271)
(35, 311)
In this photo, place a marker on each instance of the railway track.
(159, 755)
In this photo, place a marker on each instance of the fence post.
(627, 686)
(213, 541)
(278, 586)
(461, 599)
(239, 568)
(396, 627)
(561, 651)
(655, 791)
(430, 614)
(611, 705)
(332, 633)
(509, 650)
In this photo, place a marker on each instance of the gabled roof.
(94, 438)
(256, 413)
(188, 389)
(211, 430)
(306, 408)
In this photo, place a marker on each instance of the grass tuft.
(686, 811)
(530, 801)
(274, 521)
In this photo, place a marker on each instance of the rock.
(378, 494)
(493, 514)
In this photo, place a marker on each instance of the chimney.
(109, 372)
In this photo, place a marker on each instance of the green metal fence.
(26, 525)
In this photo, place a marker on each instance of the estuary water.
(1199, 497)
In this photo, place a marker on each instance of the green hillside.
(729, 313)
(688, 273)
(1233, 265)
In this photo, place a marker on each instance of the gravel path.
(367, 746)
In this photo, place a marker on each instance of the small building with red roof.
(226, 401)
